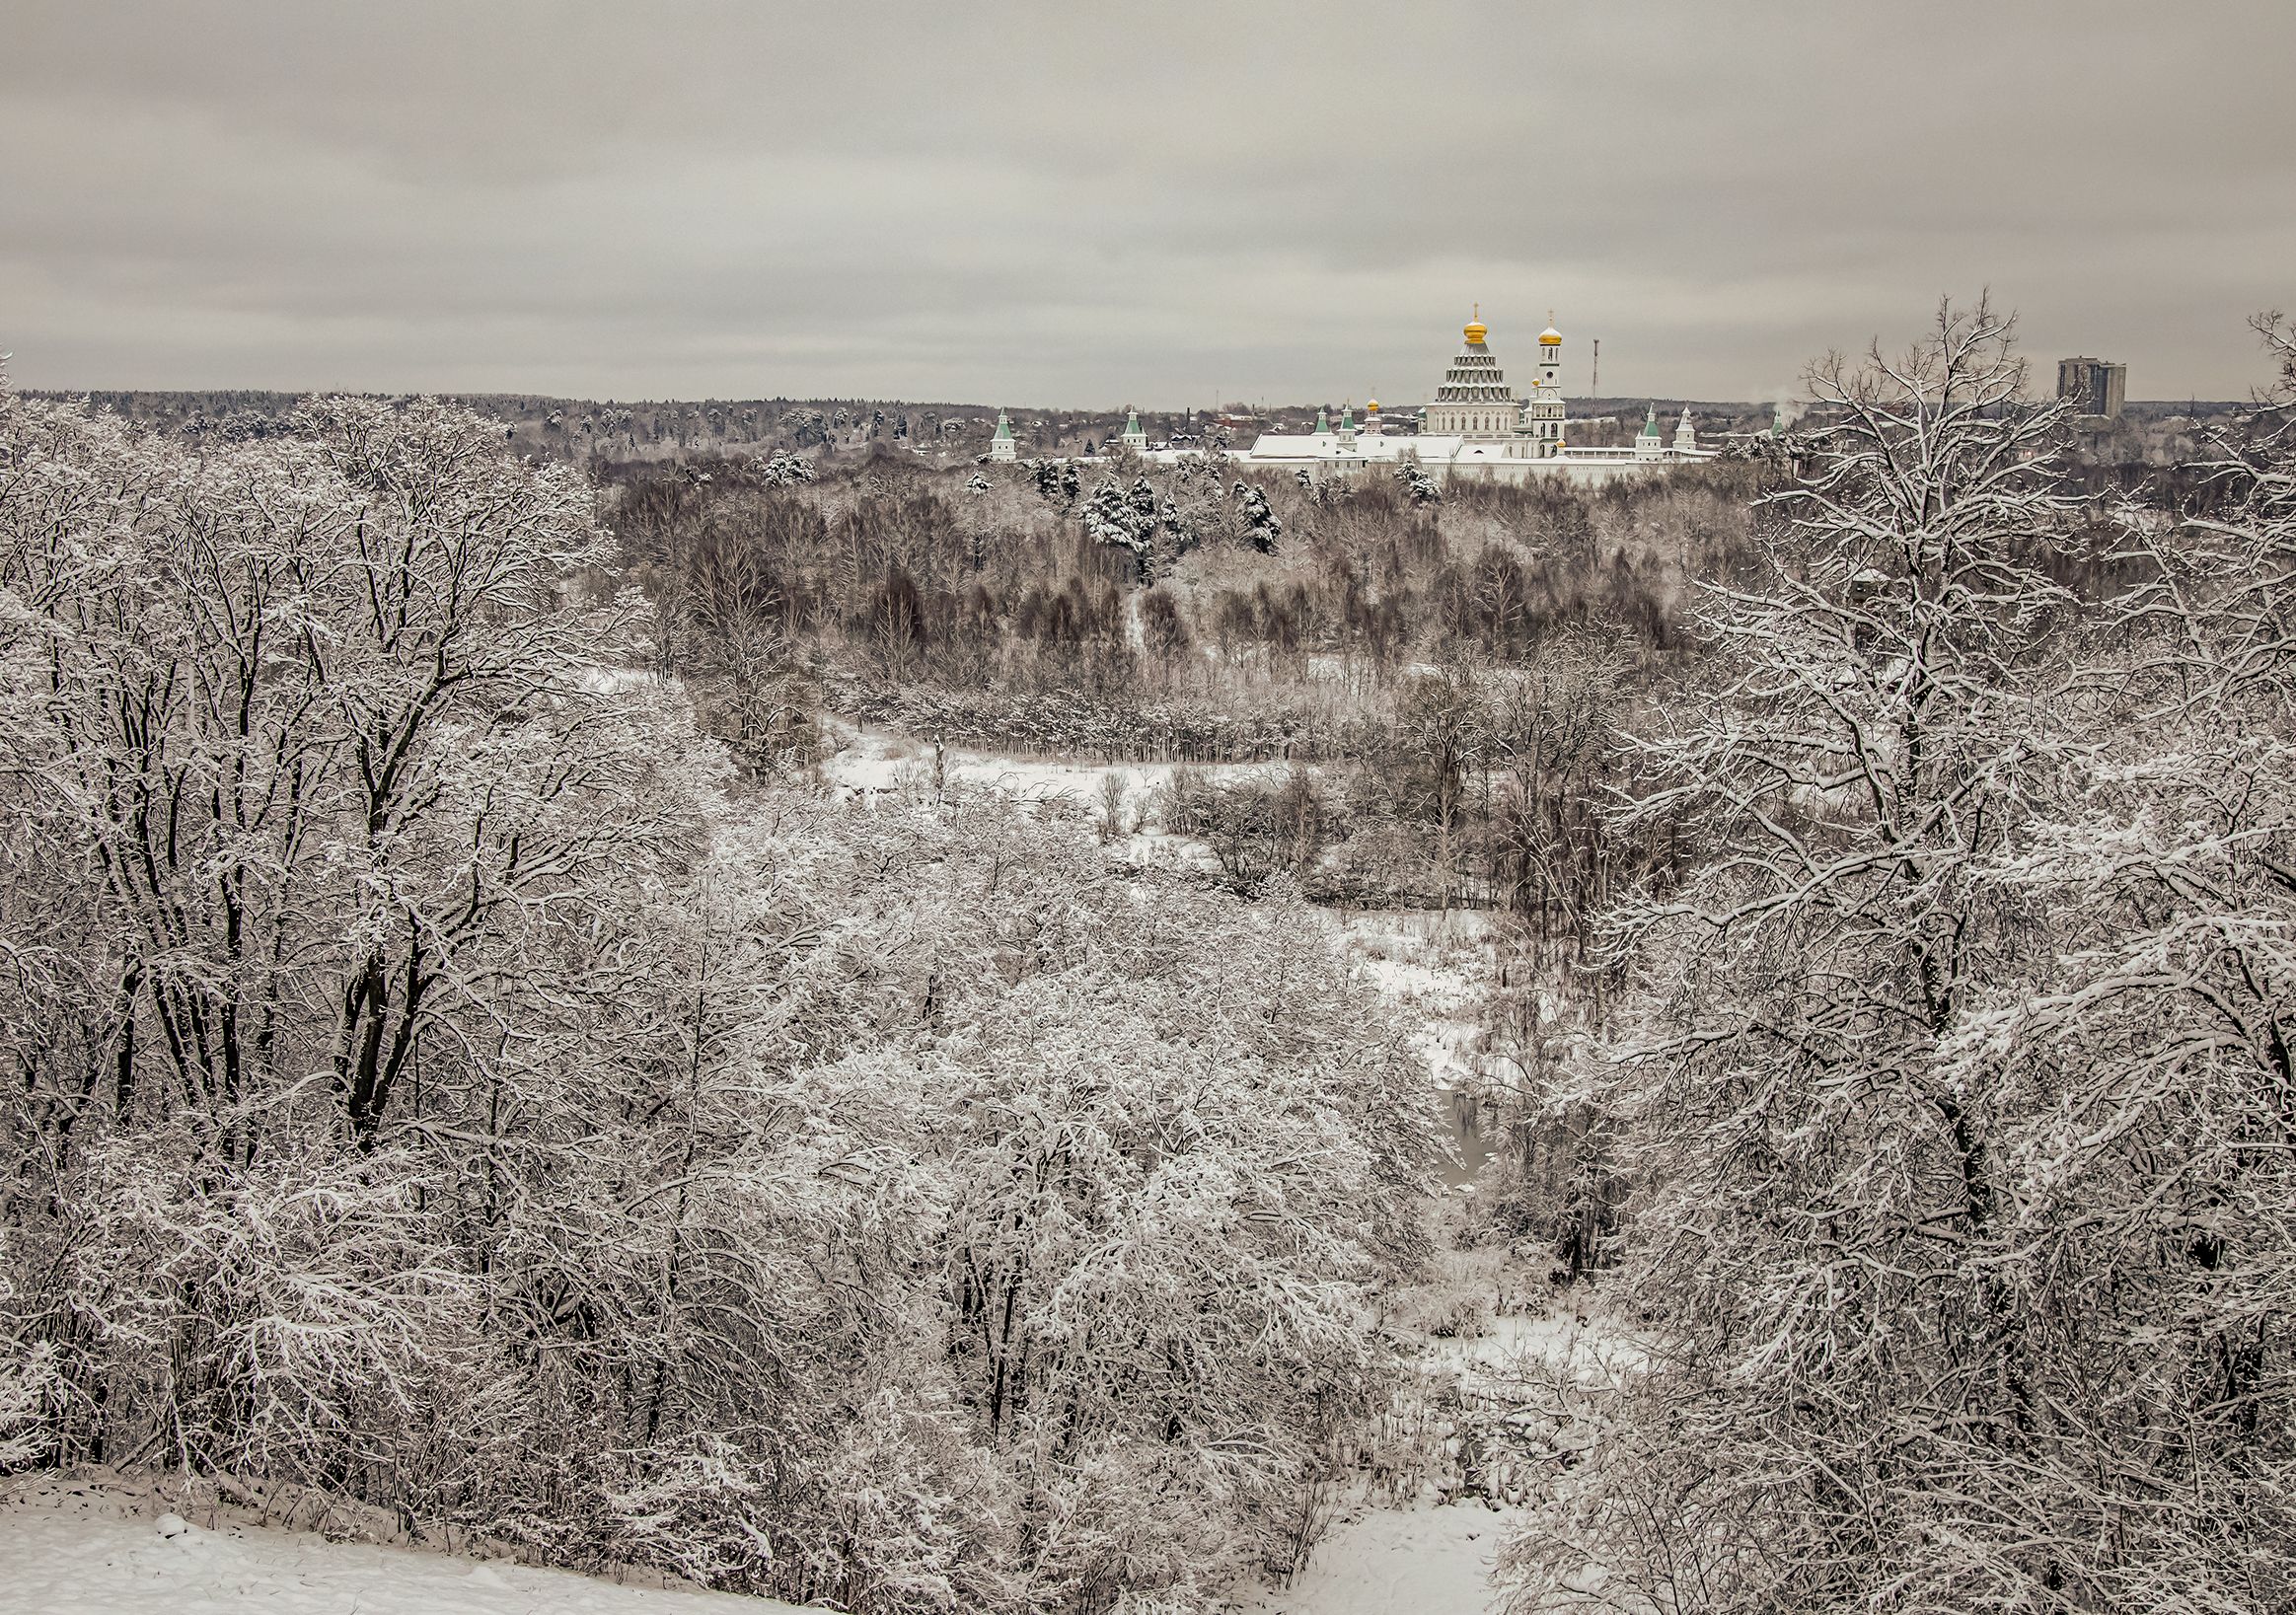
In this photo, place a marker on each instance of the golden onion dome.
(1373, 408)
(1550, 337)
(1476, 330)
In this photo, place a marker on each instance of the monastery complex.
(1476, 427)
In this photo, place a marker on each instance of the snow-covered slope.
(90, 1548)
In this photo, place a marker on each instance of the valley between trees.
(864, 1034)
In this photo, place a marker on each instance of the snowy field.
(873, 761)
(96, 1547)
(105, 1547)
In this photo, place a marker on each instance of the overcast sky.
(1161, 203)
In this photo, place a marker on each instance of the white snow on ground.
(872, 760)
(1532, 1348)
(1422, 1561)
(80, 1547)
(876, 763)
(93, 1547)
(1436, 969)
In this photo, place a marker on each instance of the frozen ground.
(871, 762)
(100, 1547)
(1521, 1348)
(1422, 1561)
(874, 762)
(106, 1547)
(1436, 970)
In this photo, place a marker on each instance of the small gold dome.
(1476, 332)
(1550, 337)
(1372, 406)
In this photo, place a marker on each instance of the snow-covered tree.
(1261, 528)
(1126, 521)
(783, 469)
(435, 1078)
(1858, 1378)
(1422, 489)
(2146, 1049)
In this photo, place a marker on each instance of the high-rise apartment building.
(2096, 387)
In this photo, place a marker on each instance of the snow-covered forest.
(471, 1053)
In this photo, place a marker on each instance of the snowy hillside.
(103, 1548)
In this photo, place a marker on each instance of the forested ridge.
(464, 1058)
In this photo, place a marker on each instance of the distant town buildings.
(2094, 386)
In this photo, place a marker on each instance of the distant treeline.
(616, 436)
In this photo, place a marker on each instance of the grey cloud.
(1088, 205)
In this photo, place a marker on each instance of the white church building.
(1476, 427)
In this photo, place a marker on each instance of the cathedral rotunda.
(1475, 403)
